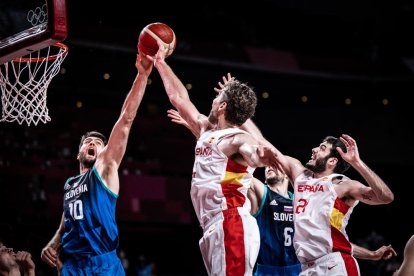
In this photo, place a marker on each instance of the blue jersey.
(89, 217)
(275, 220)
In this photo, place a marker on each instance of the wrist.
(29, 271)
(159, 63)
(358, 164)
(142, 76)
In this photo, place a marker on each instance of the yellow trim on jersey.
(233, 178)
(336, 219)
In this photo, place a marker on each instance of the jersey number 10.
(76, 209)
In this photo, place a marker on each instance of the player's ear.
(222, 105)
(333, 161)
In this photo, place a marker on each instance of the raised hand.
(160, 55)
(176, 118)
(24, 260)
(269, 157)
(225, 81)
(143, 64)
(351, 155)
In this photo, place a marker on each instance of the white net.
(24, 82)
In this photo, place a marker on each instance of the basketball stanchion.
(24, 82)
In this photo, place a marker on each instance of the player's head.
(274, 175)
(237, 101)
(90, 145)
(7, 260)
(326, 156)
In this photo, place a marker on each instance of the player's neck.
(280, 188)
(83, 169)
(223, 124)
(322, 174)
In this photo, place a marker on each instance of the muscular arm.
(51, 251)
(252, 128)
(255, 195)
(291, 166)
(247, 147)
(377, 192)
(109, 160)
(384, 253)
(178, 119)
(176, 91)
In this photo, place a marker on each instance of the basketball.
(147, 41)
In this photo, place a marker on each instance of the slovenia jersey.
(320, 217)
(275, 220)
(89, 217)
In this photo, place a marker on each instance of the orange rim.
(49, 58)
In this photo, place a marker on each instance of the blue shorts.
(105, 264)
(267, 270)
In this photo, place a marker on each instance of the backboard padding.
(24, 29)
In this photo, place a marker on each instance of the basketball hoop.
(24, 82)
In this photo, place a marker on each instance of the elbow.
(174, 99)
(387, 198)
(127, 118)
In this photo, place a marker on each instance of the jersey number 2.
(301, 205)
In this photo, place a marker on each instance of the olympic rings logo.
(38, 15)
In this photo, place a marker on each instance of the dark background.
(330, 52)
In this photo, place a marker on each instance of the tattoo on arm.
(366, 197)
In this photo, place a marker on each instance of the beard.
(86, 163)
(275, 180)
(320, 165)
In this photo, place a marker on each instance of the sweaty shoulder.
(243, 137)
(238, 145)
(346, 189)
(296, 169)
(339, 179)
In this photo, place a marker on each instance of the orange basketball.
(147, 41)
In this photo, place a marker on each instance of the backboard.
(30, 25)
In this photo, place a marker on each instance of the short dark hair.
(342, 166)
(93, 134)
(241, 102)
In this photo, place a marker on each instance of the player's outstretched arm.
(178, 119)
(176, 91)
(385, 252)
(50, 253)
(377, 192)
(110, 158)
(250, 152)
